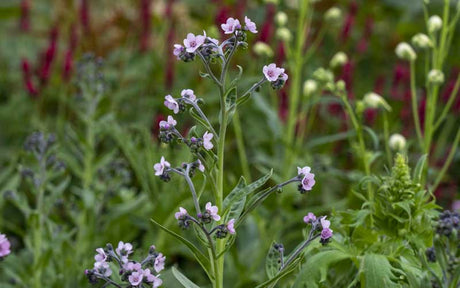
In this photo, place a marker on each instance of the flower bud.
(341, 85)
(434, 24)
(262, 49)
(284, 34)
(323, 75)
(397, 142)
(405, 52)
(333, 15)
(309, 87)
(436, 77)
(338, 60)
(422, 41)
(374, 100)
(281, 19)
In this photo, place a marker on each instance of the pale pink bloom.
(103, 268)
(231, 26)
(156, 282)
(309, 218)
(212, 210)
(152, 279)
(5, 246)
(132, 266)
(250, 26)
(168, 124)
(181, 214)
(178, 49)
(207, 140)
(325, 223)
(136, 278)
(231, 226)
(326, 233)
(308, 181)
(124, 249)
(159, 264)
(284, 77)
(100, 256)
(189, 94)
(200, 165)
(271, 72)
(303, 171)
(160, 167)
(193, 42)
(171, 103)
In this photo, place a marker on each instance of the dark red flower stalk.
(84, 15)
(280, 54)
(24, 22)
(68, 65)
(401, 77)
(155, 129)
(283, 104)
(364, 42)
(347, 76)
(223, 12)
(145, 16)
(48, 57)
(27, 76)
(349, 21)
(267, 30)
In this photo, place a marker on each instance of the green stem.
(447, 163)
(240, 145)
(414, 104)
(448, 104)
(386, 136)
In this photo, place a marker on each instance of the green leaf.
(187, 283)
(273, 261)
(237, 207)
(375, 138)
(376, 271)
(419, 168)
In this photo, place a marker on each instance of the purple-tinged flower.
(168, 124)
(160, 167)
(193, 42)
(308, 181)
(303, 171)
(124, 249)
(132, 266)
(231, 25)
(172, 104)
(325, 223)
(200, 165)
(231, 226)
(5, 246)
(103, 268)
(207, 144)
(212, 211)
(152, 279)
(100, 256)
(284, 77)
(159, 264)
(250, 26)
(326, 234)
(310, 218)
(178, 50)
(136, 278)
(272, 73)
(181, 214)
(189, 94)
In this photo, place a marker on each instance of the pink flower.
(303, 171)
(212, 211)
(171, 104)
(5, 246)
(308, 181)
(189, 94)
(132, 266)
(207, 140)
(136, 278)
(100, 256)
(309, 218)
(272, 73)
(200, 165)
(159, 264)
(181, 214)
(284, 77)
(326, 233)
(231, 25)
(152, 279)
(193, 42)
(168, 124)
(178, 49)
(250, 26)
(230, 226)
(325, 223)
(103, 268)
(124, 249)
(160, 167)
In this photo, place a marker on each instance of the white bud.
(284, 34)
(404, 51)
(323, 75)
(310, 87)
(262, 49)
(338, 60)
(422, 41)
(434, 24)
(397, 142)
(281, 19)
(333, 15)
(374, 100)
(436, 77)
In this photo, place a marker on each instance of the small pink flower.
(272, 73)
(171, 103)
(326, 233)
(207, 144)
(308, 181)
(193, 42)
(156, 282)
(136, 278)
(5, 246)
(212, 211)
(181, 214)
(231, 226)
(152, 279)
(309, 218)
(284, 77)
(325, 223)
(160, 167)
(200, 165)
(303, 171)
(231, 26)
(250, 26)
(124, 249)
(178, 49)
(168, 124)
(100, 256)
(103, 268)
(159, 264)
(132, 266)
(189, 94)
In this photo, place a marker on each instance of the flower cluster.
(448, 224)
(5, 246)
(308, 179)
(135, 273)
(275, 75)
(163, 168)
(320, 224)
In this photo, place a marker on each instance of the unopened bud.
(397, 142)
(262, 49)
(284, 34)
(374, 100)
(333, 15)
(338, 60)
(405, 52)
(434, 24)
(323, 75)
(309, 87)
(436, 77)
(422, 41)
(281, 19)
